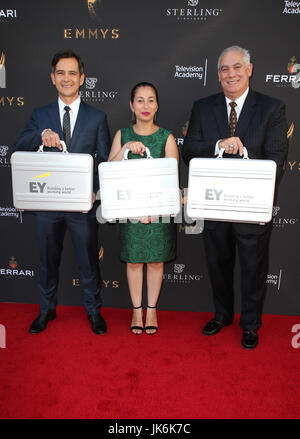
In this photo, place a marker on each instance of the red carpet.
(68, 372)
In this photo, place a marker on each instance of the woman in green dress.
(145, 241)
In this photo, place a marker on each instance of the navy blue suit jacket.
(261, 126)
(90, 134)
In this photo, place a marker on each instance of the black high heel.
(139, 328)
(151, 328)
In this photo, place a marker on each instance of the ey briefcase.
(139, 187)
(228, 189)
(52, 181)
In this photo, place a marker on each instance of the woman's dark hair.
(66, 54)
(143, 84)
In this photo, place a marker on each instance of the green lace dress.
(153, 242)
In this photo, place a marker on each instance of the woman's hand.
(136, 147)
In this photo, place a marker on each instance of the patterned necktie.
(67, 126)
(232, 119)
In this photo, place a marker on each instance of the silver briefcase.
(139, 187)
(225, 189)
(54, 181)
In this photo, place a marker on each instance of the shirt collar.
(239, 101)
(74, 106)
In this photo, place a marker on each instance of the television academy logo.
(192, 72)
(192, 12)
(281, 222)
(291, 7)
(291, 79)
(11, 212)
(93, 94)
(180, 276)
(275, 279)
(14, 272)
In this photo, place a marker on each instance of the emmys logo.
(101, 254)
(2, 71)
(93, 5)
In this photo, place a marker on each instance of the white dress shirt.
(239, 106)
(73, 113)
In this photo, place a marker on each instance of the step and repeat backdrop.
(175, 45)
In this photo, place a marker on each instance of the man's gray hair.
(245, 53)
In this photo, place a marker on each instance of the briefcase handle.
(64, 147)
(245, 155)
(126, 151)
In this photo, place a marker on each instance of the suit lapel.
(80, 122)
(246, 115)
(221, 115)
(55, 119)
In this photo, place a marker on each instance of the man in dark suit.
(235, 118)
(84, 130)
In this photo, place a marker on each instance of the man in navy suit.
(85, 130)
(258, 122)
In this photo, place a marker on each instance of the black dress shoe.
(213, 327)
(40, 323)
(98, 323)
(249, 339)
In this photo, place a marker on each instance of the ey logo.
(2, 337)
(124, 194)
(38, 187)
(213, 194)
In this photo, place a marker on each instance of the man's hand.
(51, 139)
(232, 145)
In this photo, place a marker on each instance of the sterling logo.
(192, 13)
(2, 71)
(4, 162)
(93, 94)
(180, 276)
(280, 222)
(90, 83)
